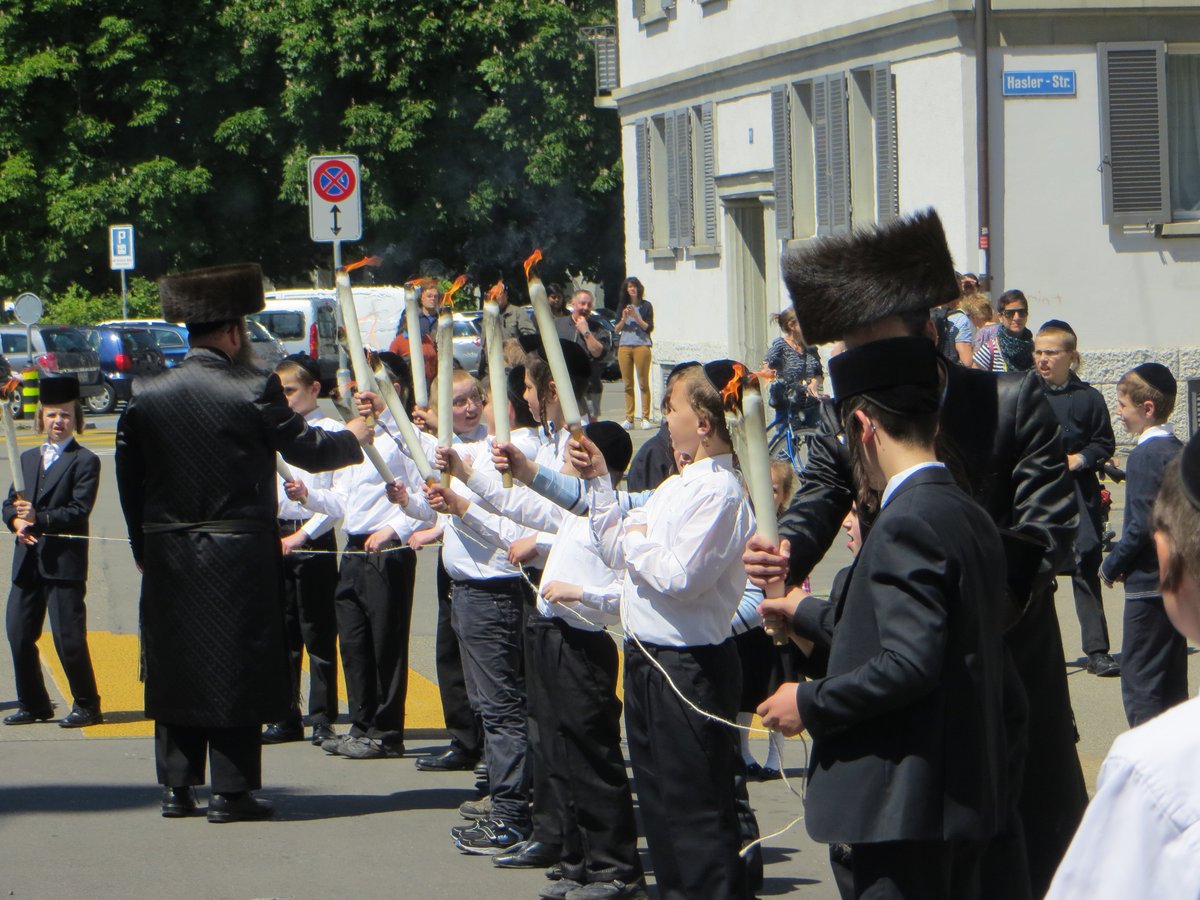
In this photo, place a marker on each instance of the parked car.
(268, 350)
(125, 353)
(467, 341)
(57, 350)
(305, 321)
(170, 338)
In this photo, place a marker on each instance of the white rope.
(125, 541)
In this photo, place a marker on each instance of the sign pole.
(344, 376)
(124, 301)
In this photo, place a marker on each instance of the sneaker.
(369, 748)
(476, 809)
(602, 890)
(333, 745)
(647, 425)
(489, 837)
(559, 889)
(627, 425)
(1103, 665)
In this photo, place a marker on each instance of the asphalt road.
(79, 816)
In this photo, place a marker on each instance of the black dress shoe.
(238, 808)
(1103, 665)
(178, 802)
(25, 717)
(528, 855)
(481, 768)
(323, 733)
(77, 718)
(283, 733)
(450, 761)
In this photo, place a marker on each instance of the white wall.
(743, 129)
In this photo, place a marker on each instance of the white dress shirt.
(1155, 431)
(900, 477)
(684, 577)
(1140, 836)
(51, 452)
(315, 524)
(358, 496)
(572, 558)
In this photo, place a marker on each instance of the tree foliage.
(473, 122)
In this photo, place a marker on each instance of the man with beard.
(195, 462)
(881, 283)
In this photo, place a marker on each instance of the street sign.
(120, 247)
(334, 199)
(27, 309)
(1038, 84)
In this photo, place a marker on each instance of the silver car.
(268, 350)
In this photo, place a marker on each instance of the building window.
(1150, 133)
(647, 11)
(603, 39)
(676, 179)
(836, 163)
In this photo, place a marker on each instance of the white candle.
(14, 454)
(445, 399)
(493, 337)
(412, 313)
(284, 470)
(409, 433)
(354, 344)
(756, 463)
(369, 450)
(554, 353)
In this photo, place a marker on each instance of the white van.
(305, 321)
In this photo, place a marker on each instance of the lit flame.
(534, 259)
(731, 394)
(365, 261)
(448, 297)
(496, 290)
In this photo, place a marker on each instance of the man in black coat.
(49, 572)
(910, 751)
(196, 473)
(1004, 439)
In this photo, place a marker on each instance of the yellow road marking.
(115, 661)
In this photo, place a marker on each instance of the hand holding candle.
(493, 338)
(284, 470)
(550, 341)
(10, 438)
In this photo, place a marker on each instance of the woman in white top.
(683, 582)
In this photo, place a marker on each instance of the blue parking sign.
(120, 247)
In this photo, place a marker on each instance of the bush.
(77, 306)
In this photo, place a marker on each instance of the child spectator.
(1138, 837)
(1153, 654)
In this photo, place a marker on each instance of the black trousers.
(684, 768)
(374, 610)
(931, 870)
(28, 602)
(574, 674)
(1153, 661)
(546, 804)
(466, 734)
(309, 583)
(1089, 606)
(235, 754)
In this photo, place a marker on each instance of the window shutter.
(639, 9)
(887, 170)
(839, 155)
(608, 77)
(684, 199)
(645, 210)
(1133, 133)
(708, 171)
(781, 136)
(670, 140)
(820, 89)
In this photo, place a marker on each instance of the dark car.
(170, 338)
(56, 350)
(125, 353)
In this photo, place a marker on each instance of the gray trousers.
(487, 616)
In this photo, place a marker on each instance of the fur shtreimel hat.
(843, 282)
(219, 294)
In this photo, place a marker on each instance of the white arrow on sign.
(334, 199)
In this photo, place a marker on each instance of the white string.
(125, 541)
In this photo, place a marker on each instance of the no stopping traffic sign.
(334, 201)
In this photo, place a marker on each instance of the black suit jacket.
(62, 498)
(908, 725)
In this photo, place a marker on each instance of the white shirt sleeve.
(332, 500)
(518, 503)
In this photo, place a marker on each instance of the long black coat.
(62, 500)
(909, 740)
(1006, 439)
(196, 473)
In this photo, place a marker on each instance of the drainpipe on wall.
(982, 10)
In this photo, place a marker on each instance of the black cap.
(720, 372)
(522, 414)
(898, 374)
(58, 389)
(395, 363)
(307, 363)
(1189, 470)
(1157, 376)
(614, 444)
(1057, 325)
